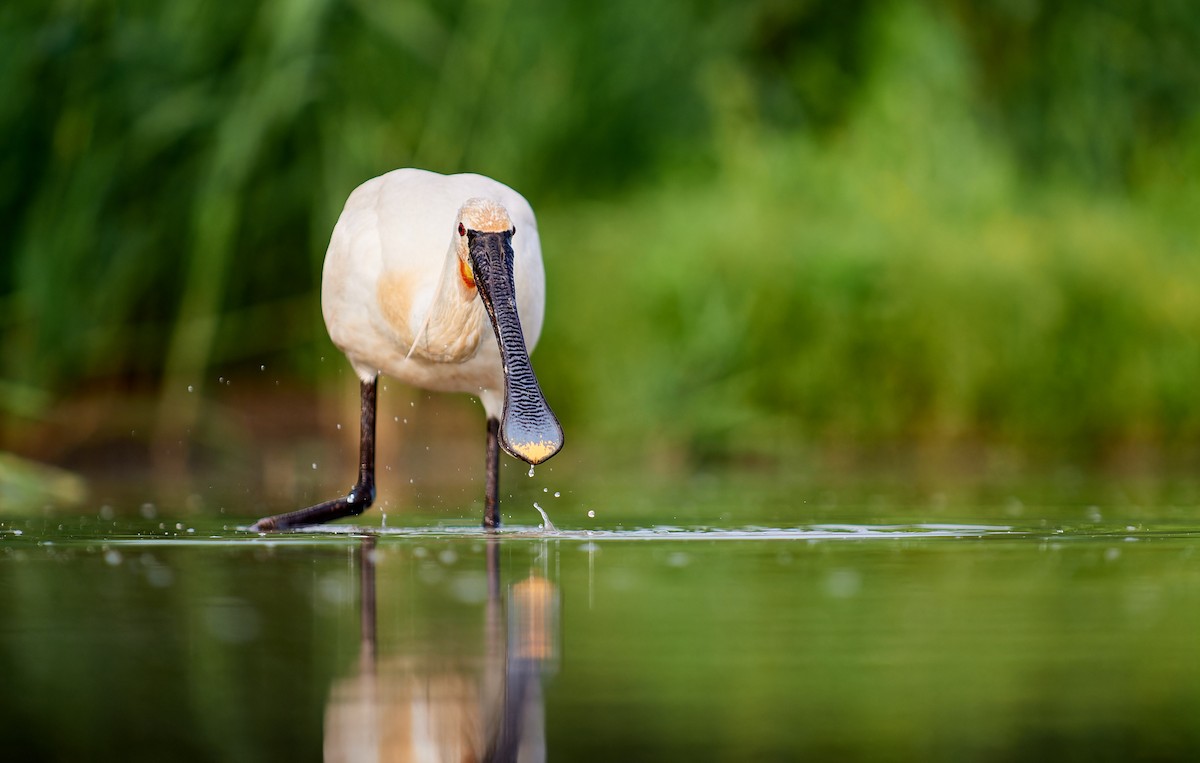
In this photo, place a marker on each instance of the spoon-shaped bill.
(529, 430)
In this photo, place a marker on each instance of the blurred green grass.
(766, 225)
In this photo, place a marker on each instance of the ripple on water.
(339, 534)
(673, 532)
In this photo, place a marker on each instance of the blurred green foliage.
(764, 222)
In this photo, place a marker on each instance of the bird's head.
(480, 216)
(484, 231)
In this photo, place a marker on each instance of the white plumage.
(392, 294)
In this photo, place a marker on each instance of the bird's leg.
(360, 496)
(491, 505)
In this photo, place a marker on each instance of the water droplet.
(557, 494)
(191, 388)
(112, 557)
(531, 470)
(339, 426)
(591, 514)
(263, 367)
(545, 490)
(314, 464)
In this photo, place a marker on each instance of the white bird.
(437, 281)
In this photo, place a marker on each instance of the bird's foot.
(356, 502)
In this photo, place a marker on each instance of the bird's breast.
(445, 328)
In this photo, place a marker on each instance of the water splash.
(548, 526)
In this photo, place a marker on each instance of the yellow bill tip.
(534, 452)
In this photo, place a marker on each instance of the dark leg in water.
(361, 495)
(491, 505)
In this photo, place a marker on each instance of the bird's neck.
(456, 319)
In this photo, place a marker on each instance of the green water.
(995, 632)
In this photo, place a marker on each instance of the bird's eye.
(462, 229)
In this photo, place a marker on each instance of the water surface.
(1067, 632)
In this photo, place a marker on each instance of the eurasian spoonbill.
(421, 272)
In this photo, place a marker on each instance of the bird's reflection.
(401, 708)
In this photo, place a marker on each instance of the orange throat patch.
(464, 272)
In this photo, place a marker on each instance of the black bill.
(529, 430)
